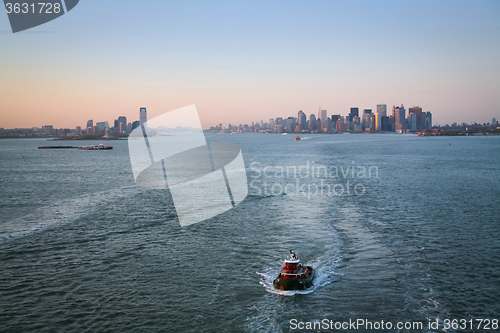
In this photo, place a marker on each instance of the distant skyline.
(244, 62)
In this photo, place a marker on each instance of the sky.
(242, 62)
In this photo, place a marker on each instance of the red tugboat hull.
(301, 282)
(293, 275)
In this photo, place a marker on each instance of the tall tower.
(143, 117)
(313, 125)
(420, 117)
(381, 114)
(90, 126)
(354, 113)
(301, 117)
(322, 116)
(122, 124)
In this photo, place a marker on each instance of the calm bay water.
(84, 249)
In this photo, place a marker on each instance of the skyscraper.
(412, 121)
(382, 109)
(354, 113)
(301, 117)
(143, 117)
(290, 124)
(420, 117)
(366, 119)
(90, 126)
(428, 120)
(122, 124)
(381, 112)
(399, 118)
(322, 115)
(135, 124)
(312, 123)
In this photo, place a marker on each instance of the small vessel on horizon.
(94, 147)
(297, 138)
(294, 276)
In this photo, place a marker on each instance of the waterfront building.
(48, 130)
(356, 124)
(135, 124)
(302, 121)
(412, 121)
(381, 112)
(399, 119)
(354, 113)
(366, 119)
(420, 122)
(313, 125)
(122, 124)
(335, 117)
(340, 126)
(100, 127)
(289, 124)
(372, 122)
(428, 120)
(143, 117)
(322, 115)
(90, 126)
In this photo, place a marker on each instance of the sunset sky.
(243, 62)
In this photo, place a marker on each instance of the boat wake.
(324, 266)
(272, 310)
(61, 213)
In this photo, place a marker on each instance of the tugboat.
(293, 275)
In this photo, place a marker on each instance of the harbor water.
(398, 228)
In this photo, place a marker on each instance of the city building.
(90, 126)
(100, 127)
(400, 124)
(340, 126)
(322, 116)
(302, 121)
(143, 117)
(366, 121)
(354, 113)
(289, 124)
(420, 118)
(48, 130)
(381, 112)
(412, 121)
(122, 124)
(135, 124)
(428, 120)
(313, 125)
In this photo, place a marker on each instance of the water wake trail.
(61, 213)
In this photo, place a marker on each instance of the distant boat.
(297, 138)
(284, 134)
(98, 147)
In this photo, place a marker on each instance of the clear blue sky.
(243, 62)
